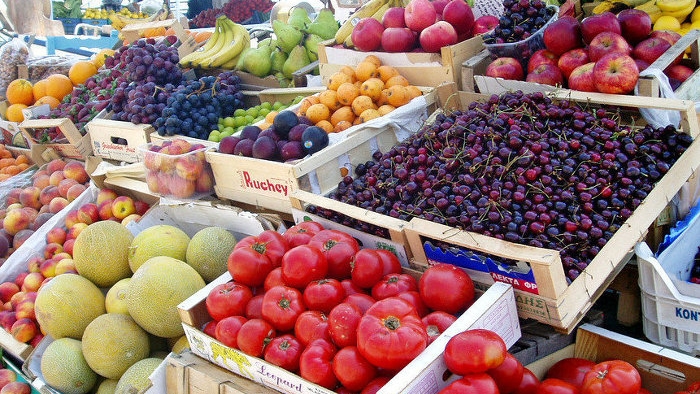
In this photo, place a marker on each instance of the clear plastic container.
(178, 169)
(523, 49)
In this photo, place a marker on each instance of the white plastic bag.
(659, 117)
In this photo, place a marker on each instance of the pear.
(296, 60)
(241, 57)
(257, 61)
(311, 45)
(325, 25)
(277, 58)
(271, 42)
(299, 18)
(283, 81)
(287, 36)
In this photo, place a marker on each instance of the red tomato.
(474, 383)
(391, 334)
(528, 384)
(352, 370)
(315, 363)
(390, 262)
(614, 376)
(393, 284)
(301, 233)
(436, 323)
(227, 330)
(269, 243)
(281, 306)
(322, 295)
(694, 388)
(274, 278)
(254, 257)
(367, 268)
(445, 287)
(339, 248)
(507, 375)
(350, 288)
(473, 351)
(254, 335)
(570, 369)
(303, 264)
(342, 324)
(254, 308)
(209, 328)
(284, 351)
(375, 384)
(556, 386)
(228, 299)
(413, 297)
(361, 300)
(311, 325)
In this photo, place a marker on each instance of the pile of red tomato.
(312, 301)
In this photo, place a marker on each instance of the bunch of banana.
(652, 9)
(119, 21)
(373, 9)
(679, 9)
(221, 49)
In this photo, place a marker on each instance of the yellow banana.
(601, 7)
(379, 14)
(241, 38)
(681, 14)
(650, 8)
(671, 6)
(348, 42)
(231, 64)
(365, 11)
(213, 41)
(220, 43)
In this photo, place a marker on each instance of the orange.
(361, 103)
(338, 78)
(14, 112)
(396, 80)
(317, 113)
(373, 59)
(344, 113)
(325, 125)
(39, 89)
(306, 103)
(58, 85)
(372, 88)
(365, 70)
(79, 72)
(51, 101)
(369, 114)
(347, 92)
(202, 36)
(386, 72)
(385, 109)
(20, 91)
(341, 126)
(329, 98)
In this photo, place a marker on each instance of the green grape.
(227, 130)
(263, 112)
(240, 121)
(215, 136)
(239, 112)
(229, 121)
(253, 111)
(249, 119)
(297, 99)
(266, 105)
(277, 105)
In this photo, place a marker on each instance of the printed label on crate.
(115, 151)
(264, 184)
(519, 275)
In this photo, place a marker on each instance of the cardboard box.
(77, 145)
(115, 140)
(267, 184)
(663, 371)
(420, 68)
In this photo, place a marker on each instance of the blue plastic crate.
(69, 24)
(96, 22)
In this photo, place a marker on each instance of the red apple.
(541, 56)
(398, 39)
(89, 213)
(564, 34)
(367, 34)
(438, 35)
(679, 72)
(641, 64)
(484, 24)
(594, 24)
(615, 73)
(650, 49)
(393, 17)
(418, 14)
(635, 25)
(123, 206)
(104, 195)
(439, 6)
(105, 210)
(608, 42)
(572, 59)
(460, 15)
(142, 207)
(506, 68)
(546, 74)
(669, 35)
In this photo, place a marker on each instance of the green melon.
(64, 368)
(135, 379)
(159, 240)
(208, 252)
(100, 252)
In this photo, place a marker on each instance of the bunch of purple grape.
(520, 20)
(148, 61)
(140, 103)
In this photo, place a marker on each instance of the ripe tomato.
(350, 288)
(284, 351)
(375, 384)
(614, 376)
(322, 295)
(209, 328)
(391, 263)
(507, 375)
(339, 248)
(303, 264)
(391, 334)
(228, 299)
(556, 386)
(254, 308)
(301, 233)
(413, 297)
(361, 300)
(474, 383)
(281, 306)
(227, 329)
(315, 363)
(445, 287)
(694, 388)
(311, 325)
(273, 279)
(352, 370)
(528, 384)
(367, 268)
(254, 257)
(393, 284)
(436, 323)
(473, 351)
(269, 243)
(570, 369)
(342, 324)
(254, 335)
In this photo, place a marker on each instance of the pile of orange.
(10, 165)
(357, 95)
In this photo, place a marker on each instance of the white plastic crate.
(670, 303)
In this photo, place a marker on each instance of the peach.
(13, 196)
(76, 170)
(17, 387)
(44, 209)
(45, 281)
(57, 204)
(105, 209)
(56, 235)
(15, 221)
(182, 188)
(20, 278)
(14, 206)
(7, 319)
(41, 181)
(23, 330)
(7, 290)
(21, 237)
(55, 165)
(3, 212)
(56, 177)
(63, 266)
(32, 282)
(132, 217)
(48, 267)
(7, 376)
(48, 193)
(25, 309)
(74, 231)
(64, 185)
(51, 249)
(40, 219)
(205, 182)
(89, 213)
(33, 265)
(62, 255)
(71, 219)
(75, 191)
(29, 197)
(105, 195)
(37, 338)
(152, 181)
(68, 246)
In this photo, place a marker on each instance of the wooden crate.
(77, 145)
(420, 68)
(542, 290)
(116, 140)
(267, 184)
